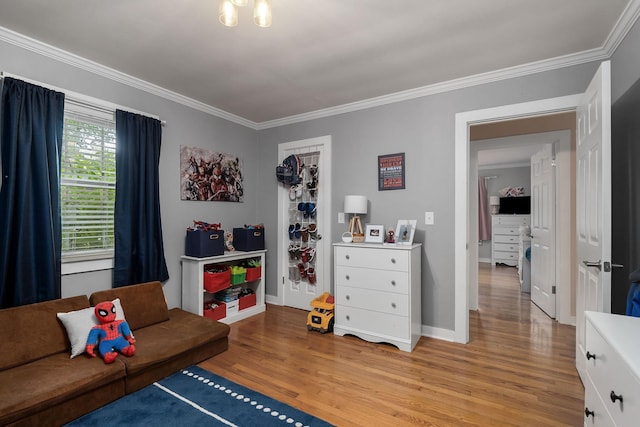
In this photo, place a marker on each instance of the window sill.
(86, 266)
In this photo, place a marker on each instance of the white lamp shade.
(494, 200)
(355, 204)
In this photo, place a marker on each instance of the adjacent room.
(350, 213)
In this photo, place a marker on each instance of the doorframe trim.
(462, 261)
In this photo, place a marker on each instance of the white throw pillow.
(79, 323)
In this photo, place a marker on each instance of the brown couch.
(39, 383)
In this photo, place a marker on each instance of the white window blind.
(88, 182)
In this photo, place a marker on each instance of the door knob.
(596, 264)
(608, 266)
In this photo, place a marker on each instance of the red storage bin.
(220, 312)
(217, 281)
(247, 301)
(253, 273)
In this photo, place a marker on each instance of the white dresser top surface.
(622, 333)
(379, 245)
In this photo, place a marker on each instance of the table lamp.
(494, 201)
(355, 205)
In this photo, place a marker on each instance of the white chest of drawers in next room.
(378, 292)
(505, 235)
(612, 384)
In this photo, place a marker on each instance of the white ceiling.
(318, 54)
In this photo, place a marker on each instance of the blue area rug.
(195, 397)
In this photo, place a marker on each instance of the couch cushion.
(33, 331)
(47, 382)
(166, 340)
(143, 304)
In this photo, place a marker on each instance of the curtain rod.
(490, 177)
(83, 99)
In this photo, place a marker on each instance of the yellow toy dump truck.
(321, 317)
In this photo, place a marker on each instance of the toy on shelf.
(321, 317)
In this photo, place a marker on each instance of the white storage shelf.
(378, 293)
(193, 292)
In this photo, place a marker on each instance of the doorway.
(304, 256)
(507, 160)
(466, 254)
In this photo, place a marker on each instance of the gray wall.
(625, 157)
(185, 126)
(504, 177)
(424, 129)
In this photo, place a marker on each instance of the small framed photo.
(405, 230)
(374, 234)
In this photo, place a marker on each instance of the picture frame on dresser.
(374, 233)
(405, 230)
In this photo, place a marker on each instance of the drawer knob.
(347, 297)
(348, 318)
(393, 283)
(615, 397)
(393, 304)
(346, 277)
(590, 356)
(393, 260)
(588, 413)
(346, 256)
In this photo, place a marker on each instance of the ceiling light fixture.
(228, 12)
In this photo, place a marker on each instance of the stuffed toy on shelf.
(110, 336)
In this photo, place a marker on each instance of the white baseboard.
(485, 260)
(271, 299)
(438, 333)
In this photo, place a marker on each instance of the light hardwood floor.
(517, 370)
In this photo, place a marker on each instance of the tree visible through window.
(88, 183)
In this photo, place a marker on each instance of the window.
(88, 182)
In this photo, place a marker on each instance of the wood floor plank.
(517, 370)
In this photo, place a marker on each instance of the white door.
(593, 204)
(543, 231)
(303, 257)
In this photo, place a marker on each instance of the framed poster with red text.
(391, 172)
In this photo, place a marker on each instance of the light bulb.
(228, 13)
(262, 13)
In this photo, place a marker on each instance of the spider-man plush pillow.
(111, 336)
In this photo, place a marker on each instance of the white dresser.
(378, 292)
(612, 386)
(505, 238)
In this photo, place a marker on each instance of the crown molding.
(617, 34)
(628, 17)
(451, 85)
(74, 60)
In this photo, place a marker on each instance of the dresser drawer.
(509, 231)
(517, 220)
(505, 238)
(377, 280)
(384, 302)
(397, 260)
(506, 256)
(505, 247)
(376, 323)
(611, 376)
(597, 413)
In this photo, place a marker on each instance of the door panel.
(297, 290)
(543, 231)
(593, 203)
